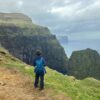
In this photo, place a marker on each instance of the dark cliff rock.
(22, 39)
(85, 63)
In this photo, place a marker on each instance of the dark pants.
(37, 77)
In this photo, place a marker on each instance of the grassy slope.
(87, 89)
(20, 24)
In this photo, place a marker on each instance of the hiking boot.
(41, 89)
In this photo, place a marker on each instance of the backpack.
(39, 66)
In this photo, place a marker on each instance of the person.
(39, 63)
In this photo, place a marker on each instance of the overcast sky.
(78, 19)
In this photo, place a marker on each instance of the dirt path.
(15, 86)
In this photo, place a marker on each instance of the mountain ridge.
(22, 39)
(14, 16)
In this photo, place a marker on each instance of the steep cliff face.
(85, 63)
(22, 39)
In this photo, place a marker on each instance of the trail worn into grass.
(16, 86)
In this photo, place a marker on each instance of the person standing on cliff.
(39, 63)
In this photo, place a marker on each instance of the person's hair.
(38, 52)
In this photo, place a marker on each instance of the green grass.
(27, 28)
(20, 23)
(87, 89)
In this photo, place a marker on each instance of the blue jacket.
(43, 64)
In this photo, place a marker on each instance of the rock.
(22, 41)
(2, 83)
(1, 59)
(84, 63)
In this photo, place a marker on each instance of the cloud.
(61, 16)
(78, 10)
(66, 11)
(20, 3)
(10, 5)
